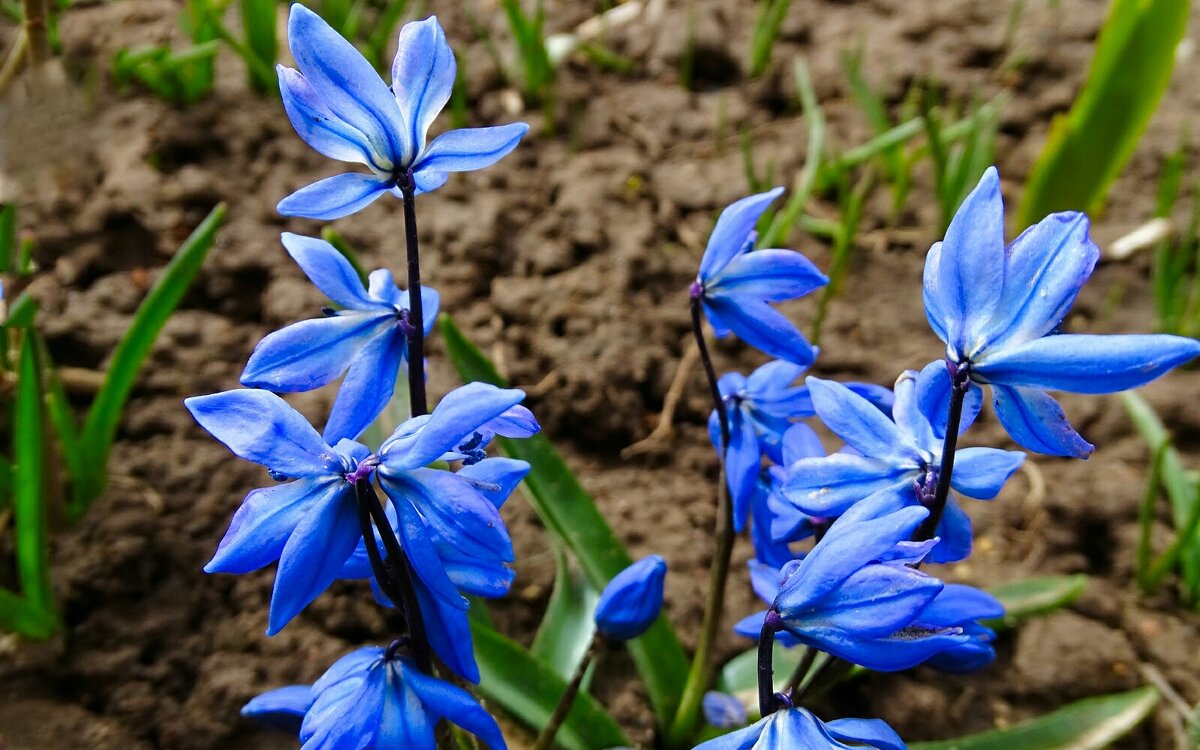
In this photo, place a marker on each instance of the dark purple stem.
(416, 338)
(766, 665)
(960, 383)
(709, 370)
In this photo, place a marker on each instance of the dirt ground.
(569, 264)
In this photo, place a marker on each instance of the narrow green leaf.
(568, 625)
(258, 23)
(103, 418)
(528, 689)
(62, 417)
(783, 222)
(1089, 724)
(1089, 146)
(8, 235)
(17, 616)
(1030, 597)
(570, 515)
(339, 242)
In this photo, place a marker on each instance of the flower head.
(373, 699)
(736, 283)
(342, 108)
(367, 339)
(799, 729)
(632, 600)
(999, 310)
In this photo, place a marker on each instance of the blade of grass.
(1033, 597)
(783, 222)
(568, 624)
(62, 417)
(767, 25)
(16, 616)
(8, 236)
(262, 42)
(1146, 518)
(571, 516)
(843, 247)
(104, 416)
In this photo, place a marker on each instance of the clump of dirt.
(569, 265)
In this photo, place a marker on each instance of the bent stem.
(700, 674)
(416, 337)
(567, 699)
(766, 665)
(960, 383)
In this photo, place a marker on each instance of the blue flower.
(999, 310)
(309, 524)
(798, 729)
(859, 596)
(373, 699)
(342, 108)
(722, 710)
(367, 340)
(963, 607)
(736, 283)
(632, 600)
(767, 581)
(903, 456)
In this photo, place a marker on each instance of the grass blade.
(62, 417)
(1089, 146)
(568, 625)
(1031, 597)
(570, 515)
(104, 416)
(258, 24)
(528, 689)
(1089, 724)
(783, 222)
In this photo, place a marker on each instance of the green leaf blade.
(1030, 597)
(567, 628)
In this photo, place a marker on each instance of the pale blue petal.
(348, 84)
(449, 631)
(334, 197)
(763, 327)
(312, 353)
(776, 375)
(1084, 363)
(415, 538)
(265, 520)
(893, 654)
(769, 275)
(431, 301)
(281, 709)
(743, 462)
(734, 225)
(935, 300)
(422, 78)
(764, 580)
(318, 126)
(827, 487)
(872, 732)
(981, 472)
(446, 701)
(906, 410)
(260, 427)
(742, 739)
(875, 601)
(469, 149)
(955, 534)
(959, 604)
(801, 441)
(933, 395)
(314, 556)
(455, 512)
(368, 386)
(1037, 422)
(403, 722)
(329, 271)
(353, 721)
(856, 420)
(382, 287)
(496, 478)
(463, 411)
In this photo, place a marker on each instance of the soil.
(569, 265)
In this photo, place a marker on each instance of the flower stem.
(395, 574)
(546, 737)
(700, 674)
(766, 668)
(960, 383)
(416, 338)
(37, 23)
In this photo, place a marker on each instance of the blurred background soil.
(569, 264)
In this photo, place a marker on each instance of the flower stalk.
(416, 337)
(960, 383)
(546, 737)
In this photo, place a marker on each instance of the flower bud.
(632, 600)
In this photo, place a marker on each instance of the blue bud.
(723, 710)
(632, 600)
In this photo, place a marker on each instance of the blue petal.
(763, 327)
(404, 721)
(446, 701)
(742, 739)
(463, 411)
(801, 441)
(428, 180)
(415, 539)
(455, 512)
(769, 275)
(496, 478)
(430, 301)
(350, 721)
(764, 580)
(1037, 422)
(827, 487)
(968, 273)
(864, 428)
(265, 520)
(334, 197)
(368, 385)
(1045, 269)
(906, 410)
(891, 654)
(282, 709)
(312, 353)
(881, 396)
(1083, 363)
(330, 272)
(734, 225)
(743, 462)
(875, 601)
(981, 472)
(933, 395)
(422, 78)
(632, 600)
(773, 377)
(449, 631)
(260, 427)
(348, 84)
(723, 710)
(381, 286)
(318, 126)
(959, 604)
(314, 555)
(955, 536)
(468, 149)
(872, 732)
(769, 549)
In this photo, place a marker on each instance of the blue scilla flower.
(342, 108)
(858, 595)
(736, 283)
(632, 600)
(799, 729)
(367, 339)
(963, 607)
(374, 699)
(722, 710)
(999, 310)
(901, 456)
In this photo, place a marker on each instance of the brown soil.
(569, 265)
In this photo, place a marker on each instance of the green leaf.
(100, 426)
(570, 515)
(567, 628)
(258, 23)
(739, 675)
(62, 417)
(528, 689)
(17, 616)
(1030, 597)
(1089, 146)
(8, 236)
(1089, 724)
